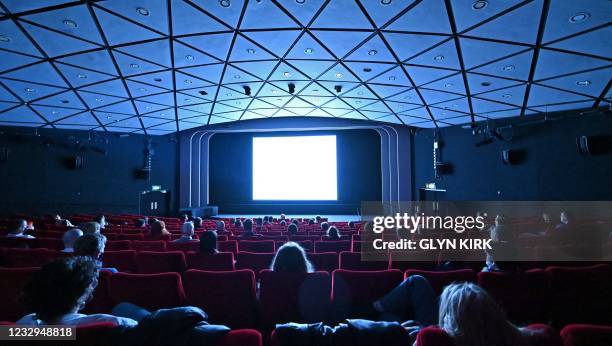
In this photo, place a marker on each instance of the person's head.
(248, 225)
(187, 229)
(141, 223)
(333, 233)
(500, 220)
(564, 217)
(295, 222)
(283, 223)
(351, 224)
(197, 222)
(71, 236)
(101, 219)
(545, 218)
(220, 226)
(318, 218)
(292, 229)
(61, 287)
(291, 257)
(91, 245)
(57, 217)
(473, 318)
(89, 227)
(282, 216)
(259, 221)
(324, 226)
(238, 223)
(158, 228)
(185, 217)
(19, 226)
(208, 242)
(311, 221)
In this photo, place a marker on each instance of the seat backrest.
(148, 262)
(332, 246)
(12, 282)
(586, 335)
(294, 297)
(242, 337)
(441, 279)
(352, 261)
(257, 246)
(21, 258)
(50, 243)
(138, 236)
(116, 245)
(324, 261)
(354, 291)
(144, 245)
(184, 246)
(149, 291)
(307, 245)
(228, 297)
(221, 261)
(420, 260)
(254, 261)
(228, 246)
(122, 260)
(101, 301)
(433, 336)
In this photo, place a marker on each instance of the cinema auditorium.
(263, 172)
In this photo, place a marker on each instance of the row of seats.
(563, 295)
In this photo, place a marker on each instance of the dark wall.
(231, 162)
(550, 169)
(36, 177)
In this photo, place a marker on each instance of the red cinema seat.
(148, 262)
(155, 245)
(420, 260)
(354, 291)
(228, 246)
(242, 337)
(539, 335)
(101, 301)
(12, 242)
(117, 245)
(294, 297)
(186, 246)
(50, 243)
(149, 291)
(326, 261)
(123, 260)
(298, 238)
(307, 245)
(256, 246)
(433, 336)
(22, 258)
(254, 261)
(332, 246)
(521, 294)
(580, 294)
(586, 335)
(441, 279)
(221, 261)
(12, 282)
(138, 236)
(353, 261)
(227, 297)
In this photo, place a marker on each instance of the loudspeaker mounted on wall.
(75, 162)
(594, 145)
(4, 154)
(582, 143)
(513, 156)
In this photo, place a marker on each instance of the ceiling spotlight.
(142, 89)
(142, 11)
(64, 101)
(506, 96)
(148, 107)
(579, 17)
(300, 2)
(583, 82)
(485, 84)
(188, 81)
(54, 112)
(157, 79)
(109, 116)
(455, 105)
(4, 38)
(274, 91)
(338, 88)
(236, 76)
(30, 90)
(189, 57)
(228, 94)
(133, 65)
(338, 75)
(448, 85)
(508, 68)
(70, 23)
(224, 3)
(372, 52)
(291, 88)
(391, 77)
(479, 5)
(360, 93)
(439, 58)
(286, 74)
(247, 90)
(250, 50)
(367, 69)
(385, 2)
(202, 92)
(315, 91)
(99, 100)
(237, 102)
(308, 50)
(81, 76)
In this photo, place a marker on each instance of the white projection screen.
(300, 168)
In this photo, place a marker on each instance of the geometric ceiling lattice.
(161, 66)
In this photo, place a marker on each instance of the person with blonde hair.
(291, 258)
(158, 231)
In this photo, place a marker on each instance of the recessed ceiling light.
(188, 81)
(367, 69)
(438, 57)
(385, 2)
(479, 5)
(142, 89)
(70, 23)
(579, 17)
(133, 65)
(202, 92)
(455, 105)
(189, 57)
(485, 84)
(99, 100)
(162, 114)
(506, 96)
(358, 101)
(402, 106)
(224, 3)
(274, 91)
(148, 107)
(228, 94)
(236, 76)
(81, 76)
(109, 116)
(64, 101)
(308, 50)
(448, 85)
(372, 52)
(360, 93)
(4, 38)
(157, 79)
(316, 91)
(300, 1)
(391, 77)
(142, 11)
(237, 102)
(338, 75)
(583, 82)
(508, 68)
(286, 74)
(54, 112)
(30, 90)
(250, 51)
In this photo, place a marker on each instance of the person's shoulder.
(28, 320)
(97, 318)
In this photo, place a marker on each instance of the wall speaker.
(4, 154)
(75, 162)
(582, 143)
(594, 145)
(513, 156)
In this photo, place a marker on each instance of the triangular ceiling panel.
(56, 44)
(372, 50)
(274, 15)
(515, 67)
(595, 43)
(29, 91)
(308, 48)
(478, 52)
(342, 15)
(115, 29)
(9, 60)
(566, 18)
(468, 13)
(341, 42)
(407, 46)
(98, 60)
(520, 25)
(21, 114)
(227, 11)
(15, 40)
(188, 19)
(74, 21)
(426, 16)
(150, 13)
(38, 73)
(552, 63)
(277, 42)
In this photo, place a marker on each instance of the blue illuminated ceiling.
(159, 66)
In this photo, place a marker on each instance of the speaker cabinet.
(594, 145)
(75, 162)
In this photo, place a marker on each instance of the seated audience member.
(501, 232)
(248, 230)
(142, 223)
(187, 231)
(503, 247)
(318, 218)
(295, 222)
(267, 221)
(69, 238)
(324, 226)
(185, 218)
(92, 245)
(101, 219)
(291, 258)
(283, 223)
(292, 229)
(197, 222)
(282, 217)
(60, 289)
(208, 242)
(351, 224)
(220, 226)
(333, 233)
(311, 222)
(18, 230)
(61, 222)
(158, 231)
(89, 227)
(238, 223)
